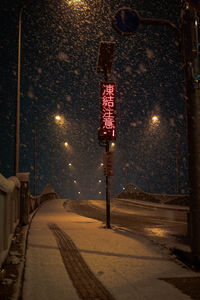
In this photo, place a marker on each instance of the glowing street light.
(58, 118)
(76, 3)
(99, 180)
(66, 144)
(155, 119)
(69, 164)
(17, 124)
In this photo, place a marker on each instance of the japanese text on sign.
(108, 111)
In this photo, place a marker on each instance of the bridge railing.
(16, 206)
(9, 212)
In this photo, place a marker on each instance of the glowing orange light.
(155, 119)
(58, 118)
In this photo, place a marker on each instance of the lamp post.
(17, 125)
(35, 165)
(126, 22)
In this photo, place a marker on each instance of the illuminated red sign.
(108, 111)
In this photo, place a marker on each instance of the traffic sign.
(126, 21)
(195, 3)
(108, 111)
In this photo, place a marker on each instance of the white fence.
(9, 212)
(16, 205)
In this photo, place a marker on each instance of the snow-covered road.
(128, 267)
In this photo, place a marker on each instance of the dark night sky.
(60, 44)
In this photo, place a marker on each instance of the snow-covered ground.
(102, 204)
(128, 266)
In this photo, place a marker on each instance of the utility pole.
(35, 159)
(126, 22)
(17, 118)
(177, 164)
(189, 24)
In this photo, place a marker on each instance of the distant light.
(58, 118)
(112, 144)
(99, 192)
(75, 181)
(123, 188)
(101, 164)
(99, 180)
(66, 144)
(79, 192)
(155, 119)
(75, 2)
(69, 164)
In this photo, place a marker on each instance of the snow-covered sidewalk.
(129, 267)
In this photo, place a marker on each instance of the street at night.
(166, 226)
(100, 150)
(70, 256)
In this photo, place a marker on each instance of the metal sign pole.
(104, 66)
(107, 176)
(107, 194)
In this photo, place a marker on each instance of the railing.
(9, 213)
(16, 206)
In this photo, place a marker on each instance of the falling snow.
(59, 54)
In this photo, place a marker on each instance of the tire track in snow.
(84, 281)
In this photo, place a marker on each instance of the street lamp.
(66, 144)
(126, 22)
(17, 124)
(57, 118)
(60, 120)
(75, 1)
(155, 119)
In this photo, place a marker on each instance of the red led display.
(108, 111)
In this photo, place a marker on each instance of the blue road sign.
(126, 21)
